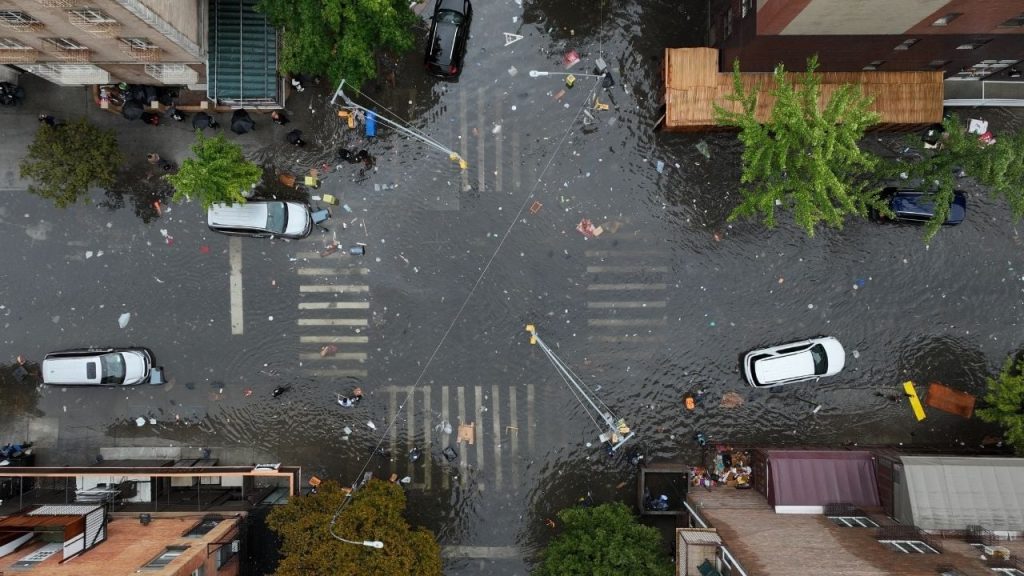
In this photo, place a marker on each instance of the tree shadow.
(19, 386)
(141, 186)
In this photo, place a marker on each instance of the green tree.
(63, 162)
(1004, 402)
(374, 512)
(605, 540)
(218, 173)
(339, 38)
(805, 157)
(999, 166)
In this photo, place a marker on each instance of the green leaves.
(375, 512)
(63, 162)
(805, 158)
(1005, 402)
(218, 173)
(339, 38)
(605, 540)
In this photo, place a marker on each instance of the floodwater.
(662, 303)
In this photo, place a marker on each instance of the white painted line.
(515, 158)
(595, 269)
(332, 321)
(393, 432)
(463, 137)
(496, 413)
(483, 131)
(306, 356)
(628, 339)
(337, 372)
(460, 394)
(529, 418)
(317, 256)
(427, 460)
(497, 150)
(410, 433)
(625, 321)
(341, 288)
(626, 253)
(331, 271)
(514, 423)
(478, 426)
(445, 437)
(334, 305)
(235, 259)
(333, 339)
(634, 304)
(655, 286)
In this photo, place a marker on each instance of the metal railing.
(724, 556)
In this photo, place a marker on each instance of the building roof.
(820, 477)
(693, 85)
(952, 492)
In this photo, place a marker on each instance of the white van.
(98, 367)
(261, 219)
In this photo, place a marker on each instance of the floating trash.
(123, 319)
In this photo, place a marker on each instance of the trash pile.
(730, 468)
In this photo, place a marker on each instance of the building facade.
(155, 42)
(966, 39)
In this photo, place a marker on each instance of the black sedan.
(910, 205)
(449, 30)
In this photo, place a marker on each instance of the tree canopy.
(605, 540)
(64, 161)
(375, 512)
(806, 157)
(218, 173)
(1004, 402)
(339, 38)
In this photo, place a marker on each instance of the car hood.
(136, 366)
(298, 219)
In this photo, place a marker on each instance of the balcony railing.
(18, 55)
(142, 53)
(98, 28)
(73, 54)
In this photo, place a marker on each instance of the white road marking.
(235, 260)
(332, 322)
(334, 305)
(340, 288)
(614, 305)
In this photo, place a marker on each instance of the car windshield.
(449, 17)
(820, 359)
(113, 368)
(277, 217)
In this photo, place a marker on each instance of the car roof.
(248, 215)
(780, 368)
(920, 203)
(456, 5)
(72, 369)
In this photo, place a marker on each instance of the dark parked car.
(449, 30)
(910, 205)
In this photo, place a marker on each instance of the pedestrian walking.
(295, 138)
(279, 118)
(153, 158)
(50, 121)
(297, 85)
(175, 114)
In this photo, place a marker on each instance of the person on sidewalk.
(175, 114)
(297, 85)
(295, 138)
(279, 118)
(50, 121)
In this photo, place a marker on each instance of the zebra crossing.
(333, 313)
(627, 294)
(502, 420)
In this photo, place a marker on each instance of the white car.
(261, 219)
(794, 362)
(98, 367)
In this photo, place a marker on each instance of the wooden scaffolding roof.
(693, 83)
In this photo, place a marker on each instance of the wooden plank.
(949, 400)
(915, 402)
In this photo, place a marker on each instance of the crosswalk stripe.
(331, 271)
(625, 321)
(460, 395)
(627, 338)
(515, 158)
(235, 284)
(480, 141)
(529, 418)
(629, 286)
(626, 253)
(427, 460)
(316, 255)
(497, 154)
(445, 436)
(496, 415)
(342, 288)
(478, 427)
(332, 321)
(410, 433)
(333, 339)
(393, 431)
(631, 304)
(513, 418)
(338, 372)
(361, 356)
(596, 269)
(334, 305)
(463, 136)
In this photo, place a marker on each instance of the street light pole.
(368, 543)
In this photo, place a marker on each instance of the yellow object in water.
(569, 81)
(915, 402)
(533, 333)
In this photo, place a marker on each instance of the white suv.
(261, 219)
(98, 367)
(795, 362)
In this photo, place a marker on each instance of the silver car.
(261, 219)
(98, 367)
(794, 362)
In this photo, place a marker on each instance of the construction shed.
(693, 85)
(806, 481)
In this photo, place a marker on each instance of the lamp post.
(368, 543)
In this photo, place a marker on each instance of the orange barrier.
(949, 400)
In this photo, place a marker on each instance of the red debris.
(586, 227)
(571, 58)
(204, 249)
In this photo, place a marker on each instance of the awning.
(952, 492)
(242, 55)
(815, 478)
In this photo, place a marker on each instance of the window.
(906, 44)
(1009, 571)
(727, 24)
(1017, 22)
(853, 521)
(945, 20)
(91, 15)
(138, 43)
(909, 546)
(16, 17)
(203, 527)
(745, 7)
(201, 571)
(165, 558)
(874, 65)
(976, 43)
(65, 44)
(12, 44)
